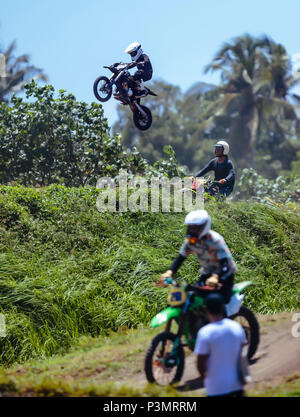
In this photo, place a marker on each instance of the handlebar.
(205, 180)
(133, 64)
(172, 281)
(197, 288)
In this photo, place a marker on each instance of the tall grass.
(67, 270)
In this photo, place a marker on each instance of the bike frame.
(113, 78)
(180, 313)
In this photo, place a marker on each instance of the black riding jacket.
(144, 67)
(224, 170)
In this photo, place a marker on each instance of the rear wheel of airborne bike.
(160, 366)
(251, 327)
(142, 122)
(102, 89)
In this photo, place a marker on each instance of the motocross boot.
(122, 97)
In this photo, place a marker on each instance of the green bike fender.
(164, 316)
(241, 286)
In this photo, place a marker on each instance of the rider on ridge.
(223, 168)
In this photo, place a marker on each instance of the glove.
(212, 281)
(163, 277)
(222, 181)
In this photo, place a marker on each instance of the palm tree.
(256, 76)
(18, 73)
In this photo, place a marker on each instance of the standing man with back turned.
(218, 349)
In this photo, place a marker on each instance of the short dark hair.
(214, 303)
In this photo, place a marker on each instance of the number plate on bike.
(176, 297)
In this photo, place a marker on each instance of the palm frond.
(296, 98)
(18, 73)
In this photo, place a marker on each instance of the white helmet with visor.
(134, 50)
(224, 145)
(198, 224)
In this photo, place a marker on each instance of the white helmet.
(225, 146)
(198, 222)
(134, 50)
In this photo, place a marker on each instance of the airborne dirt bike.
(164, 361)
(103, 86)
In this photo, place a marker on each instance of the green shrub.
(253, 186)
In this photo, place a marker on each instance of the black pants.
(221, 192)
(119, 83)
(142, 75)
(225, 291)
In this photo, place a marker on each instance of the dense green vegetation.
(254, 107)
(58, 140)
(67, 270)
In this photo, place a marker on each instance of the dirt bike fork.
(167, 329)
(173, 353)
(136, 105)
(173, 358)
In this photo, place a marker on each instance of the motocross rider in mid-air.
(217, 265)
(143, 73)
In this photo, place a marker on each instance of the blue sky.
(72, 39)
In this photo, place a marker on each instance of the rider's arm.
(222, 260)
(202, 350)
(184, 252)
(208, 167)
(177, 263)
(202, 365)
(145, 61)
(131, 65)
(224, 268)
(231, 174)
(171, 271)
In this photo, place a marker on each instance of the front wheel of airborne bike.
(142, 122)
(102, 89)
(251, 327)
(163, 366)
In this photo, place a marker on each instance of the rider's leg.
(202, 279)
(224, 191)
(138, 78)
(226, 290)
(121, 92)
(210, 190)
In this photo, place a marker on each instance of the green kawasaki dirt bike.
(164, 361)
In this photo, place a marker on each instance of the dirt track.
(276, 362)
(278, 354)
